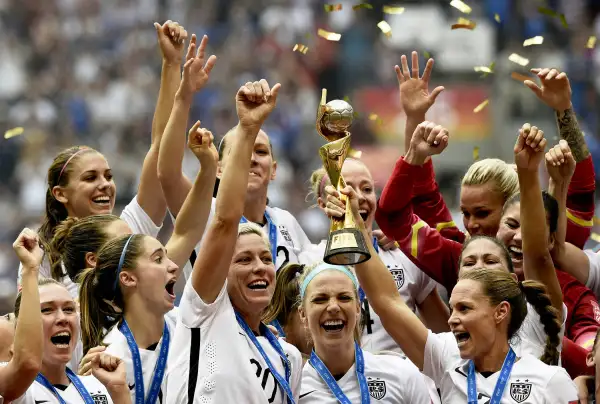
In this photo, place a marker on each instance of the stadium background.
(87, 72)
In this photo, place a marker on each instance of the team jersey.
(390, 378)
(531, 381)
(37, 393)
(414, 287)
(117, 346)
(593, 281)
(214, 361)
(291, 239)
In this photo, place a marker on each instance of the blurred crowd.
(87, 72)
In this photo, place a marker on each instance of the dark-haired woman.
(80, 180)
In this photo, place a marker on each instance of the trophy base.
(346, 247)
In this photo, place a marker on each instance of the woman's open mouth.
(61, 340)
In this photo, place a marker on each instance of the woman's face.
(251, 277)
(91, 189)
(481, 206)
(60, 322)
(509, 233)
(473, 321)
(482, 253)
(330, 309)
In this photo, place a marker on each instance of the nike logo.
(306, 394)
(131, 386)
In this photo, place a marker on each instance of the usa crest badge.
(520, 391)
(398, 274)
(377, 389)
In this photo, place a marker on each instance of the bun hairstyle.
(501, 174)
(499, 286)
(286, 297)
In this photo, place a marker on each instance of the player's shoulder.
(281, 216)
(389, 362)
(544, 374)
(291, 351)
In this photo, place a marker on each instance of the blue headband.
(121, 261)
(326, 267)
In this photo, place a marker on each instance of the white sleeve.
(441, 352)
(560, 388)
(415, 390)
(534, 336)
(138, 220)
(194, 313)
(593, 281)
(305, 243)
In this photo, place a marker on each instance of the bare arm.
(26, 362)
(254, 103)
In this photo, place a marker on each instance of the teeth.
(333, 322)
(102, 199)
(62, 334)
(515, 249)
(258, 283)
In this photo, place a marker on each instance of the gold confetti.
(520, 60)
(393, 10)
(375, 117)
(481, 106)
(595, 237)
(330, 36)
(362, 5)
(332, 7)
(461, 6)
(591, 42)
(347, 99)
(497, 18)
(475, 153)
(596, 220)
(519, 76)
(547, 11)
(385, 28)
(563, 21)
(300, 48)
(464, 23)
(536, 40)
(13, 132)
(426, 54)
(483, 69)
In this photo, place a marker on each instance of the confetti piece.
(13, 132)
(464, 23)
(481, 106)
(520, 60)
(461, 6)
(332, 7)
(519, 76)
(596, 220)
(591, 42)
(355, 114)
(347, 99)
(330, 36)
(426, 54)
(393, 10)
(475, 153)
(547, 11)
(497, 18)
(362, 5)
(385, 28)
(563, 21)
(536, 40)
(300, 48)
(595, 237)
(483, 69)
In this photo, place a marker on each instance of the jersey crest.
(377, 389)
(520, 391)
(398, 274)
(100, 399)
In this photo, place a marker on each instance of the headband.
(121, 261)
(326, 267)
(68, 161)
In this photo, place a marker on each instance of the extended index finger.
(202, 47)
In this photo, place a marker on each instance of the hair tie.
(324, 267)
(121, 262)
(67, 163)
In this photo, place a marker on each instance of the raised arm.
(254, 102)
(537, 262)
(196, 72)
(17, 376)
(191, 220)
(171, 38)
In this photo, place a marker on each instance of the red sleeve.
(427, 248)
(429, 205)
(580, 203)
(573, 359)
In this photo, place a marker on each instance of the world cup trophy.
(345, 244)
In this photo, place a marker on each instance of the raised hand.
(386, 243)
(85, 366)
(27, 247)
(200, 142)
(414, 90)
(254, 103)
(195, 70)
(529, 149)
(428, 140)
(171, 40)
(110, 371)
(560, 163)
(555, 90)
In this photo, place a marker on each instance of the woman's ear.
(551, 241)
(59, 194)
(90, 260)
(302, 315)
(590, 361)
(502, 311)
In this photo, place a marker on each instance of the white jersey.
(117, 346)
(593, 281)
(291, 239)
(215, 362)
(531, 381)
(37, 393)
(390, 378)
(531, 337)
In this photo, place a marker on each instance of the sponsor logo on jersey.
(286, 235)
(398, 274)
(520, 391)
(377, 389)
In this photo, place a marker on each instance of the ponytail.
(57, 246)
(286, 297)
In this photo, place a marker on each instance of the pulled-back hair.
(285, 299)
(499, 286)
(101, 304)
(41, 282)
(505, 254)
(550, 206)
(73, 239)
(503, 176)
(223, 144)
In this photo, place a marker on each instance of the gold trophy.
(345, 244)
